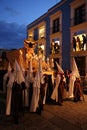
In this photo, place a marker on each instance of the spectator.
(78, 44)
(83, 41)
(74, 43)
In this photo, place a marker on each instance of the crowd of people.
(79, 44)
(33, 89)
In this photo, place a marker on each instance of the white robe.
(9, 93)
(54, 95)
(26, 93)
(28, 79)
(44, 100)
(71, 85)
(36, 94)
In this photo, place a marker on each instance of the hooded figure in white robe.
(14, 75)
(54, 95)
(36, 93)
(28, 82)
(5, 81)
(9, 92)
(42, 81)
(5, 78)
(74, 74)
(19, 78)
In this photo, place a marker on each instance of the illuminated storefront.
(55, 46)
(79, 51)
(79, 42)
(78, 31)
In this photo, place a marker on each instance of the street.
(70, 116)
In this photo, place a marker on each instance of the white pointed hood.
(18, 73)
(60, 70)
(75, 70)
(22, 68)
(16, 66)
(9, 67)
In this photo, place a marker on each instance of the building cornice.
(56, 6)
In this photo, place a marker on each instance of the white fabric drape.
(54, 95)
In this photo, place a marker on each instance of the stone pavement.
(70, 116)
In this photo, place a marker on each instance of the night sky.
(15, 15)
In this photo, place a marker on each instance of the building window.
(80, 14)
(55, 25)
(79, 42)
(55, 46)
(42, 32)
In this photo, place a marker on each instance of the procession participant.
(31, 81)
(9, 92)
(36, 93)
(41, 95)
(5, 81)
(42, 87)
(54, 95)
(71, 84)
(17, 100)
(67, 76)
(77, 90)
(45, 88)
(61, 90)
(73, 75)
(26, 90)
(60, 71)
(6, 78)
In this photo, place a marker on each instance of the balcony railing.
(79, 20)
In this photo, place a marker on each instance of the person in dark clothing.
(74, 43)
(41, 97)
(61, 90)
(83, 41)
(77, 92)
(78, 44)
(16, 102)
(67, 77)
(30, 93)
